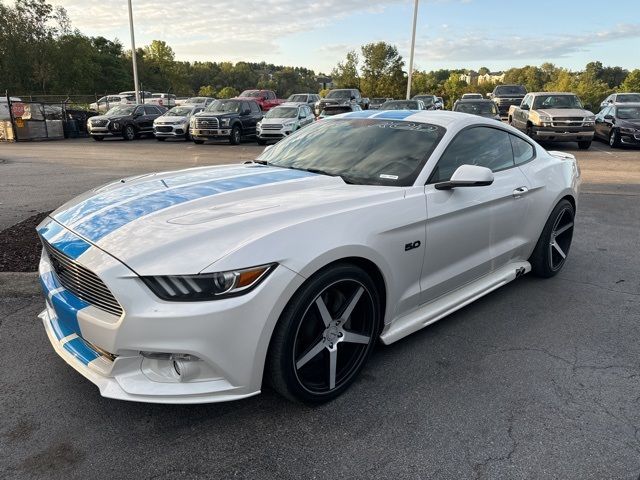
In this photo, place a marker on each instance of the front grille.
(164, 129)
(207, 123)
(99, 123)
(567, 121)
(82, 282)
(271, 126)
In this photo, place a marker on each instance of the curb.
(19, 284)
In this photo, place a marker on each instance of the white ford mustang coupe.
(198, 285)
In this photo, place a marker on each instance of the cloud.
(477, 46)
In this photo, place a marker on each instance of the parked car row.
(105, 103)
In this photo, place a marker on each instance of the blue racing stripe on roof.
(81, 350)
(107, 221)
(395, 114)
(148, 186)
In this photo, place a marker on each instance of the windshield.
(378, 100)
(557, 101)
(121, 110)
(250, 93)
(179, 112)
(628, 98)
(297, 98)
(472, 95)
(362, 151)
(282, 112)
(487, 109)
(224, 106)
(427, 99)
(193, 100)
(510, 90)
(400, 105)
(628, 113)
(339, 94)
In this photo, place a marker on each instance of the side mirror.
(467, 176)
(353, 97)
(524, 107)
(609, 117)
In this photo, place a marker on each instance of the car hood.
(172, 119)
(628, 123)
(216, 114)
(181, 222)
(565, 112)
(277, 120)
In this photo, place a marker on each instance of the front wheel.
(325, 335)
(584, 144)
(552, 248)
(198, 142)
(236, 135)
(614, 139)
(98, 139)
(129, 133)
(161, 139)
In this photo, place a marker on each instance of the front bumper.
(104, 132)
(563, 134)
(629, 138)
(267, 134)
(203, 134)
(221, 344)
(170, 131)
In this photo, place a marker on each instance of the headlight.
(591, 118)
(627, 130)
(545, 118)
(225, 122)
(207, 286)
(116, 126)
(288, 124)
(259, 124)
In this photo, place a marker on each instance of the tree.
(207, 91)
(453, 88)
(228, 92)
(382, 74)
(632, 82)
(483, 70)
(345, 75)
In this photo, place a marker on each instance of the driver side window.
(481, 146)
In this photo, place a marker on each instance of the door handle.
(520, 191)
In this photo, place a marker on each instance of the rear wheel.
(236, 135)
(584, 145)
(614, 139)
(552, 248)
(325, 335)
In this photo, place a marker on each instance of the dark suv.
(126, 121)
(506, 95)
(232, 119)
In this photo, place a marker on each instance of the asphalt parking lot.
(538, 380)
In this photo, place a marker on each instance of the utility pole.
(133, 54)
(413, 45)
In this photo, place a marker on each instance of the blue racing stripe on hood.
(151, 185)
(63, 240)
(106, 221)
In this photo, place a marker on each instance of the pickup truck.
(233, 119)
(554, 117)
(343, 96)
(506, 95)
(266, 99)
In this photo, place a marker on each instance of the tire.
(307, 346)
(129, 133)
(198, 142)
(552, 248)
(161, 139)
(614, 138)
(236, 135)
(98, 139)
(529, 131)
(584, 145)
(261, 141)
(510, 121)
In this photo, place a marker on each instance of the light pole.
(133, 54)
(413, 46)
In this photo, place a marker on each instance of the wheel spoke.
(309, 355)
(324, 312)
(557, 247)
(333, 361)
(560, 231)
(352, 337)
(352, 304)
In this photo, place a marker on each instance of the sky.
(498, 34)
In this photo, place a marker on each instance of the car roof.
(474, 100)
(552, 93)
(291, 104)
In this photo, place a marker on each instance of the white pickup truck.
(554, 117)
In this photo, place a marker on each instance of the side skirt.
(437, 309)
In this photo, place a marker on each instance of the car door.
(608, 121)
(150, 114)
(247, 117)
(600, 125)
(469, 230)
(521, 115)
(138, 118)
(305, 116)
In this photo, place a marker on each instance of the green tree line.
(40, 53)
